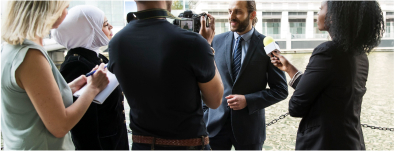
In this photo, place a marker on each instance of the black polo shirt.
(158, 66)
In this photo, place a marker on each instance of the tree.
(177, 5)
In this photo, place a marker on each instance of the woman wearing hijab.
(37, 110)
(83, 32)
(329, 94)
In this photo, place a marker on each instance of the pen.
(91, 73)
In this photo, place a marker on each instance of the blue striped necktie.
(237, 57)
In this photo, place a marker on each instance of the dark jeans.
(225, 139)
(139, 146)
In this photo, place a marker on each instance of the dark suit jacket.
(256, 72)
(102, 127)
(328, 98)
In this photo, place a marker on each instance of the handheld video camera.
(191, 21)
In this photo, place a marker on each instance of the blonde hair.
(30, 19)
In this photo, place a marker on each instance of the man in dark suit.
(245, 70)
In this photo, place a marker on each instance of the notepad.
(103, 95)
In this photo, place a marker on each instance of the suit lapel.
(254, 41)
(228, 43)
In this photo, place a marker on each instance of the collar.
(245, 36)
(154, 13)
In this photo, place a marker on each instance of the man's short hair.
(251, 6)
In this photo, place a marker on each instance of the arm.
(277, 92)
(317, 76)
(34, 75)
(212, 91)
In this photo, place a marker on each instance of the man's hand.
(207, 32)
(236, 102)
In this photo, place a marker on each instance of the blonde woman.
(37, 105)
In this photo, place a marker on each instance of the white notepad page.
(100, 98)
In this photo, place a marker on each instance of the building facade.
(293, 23)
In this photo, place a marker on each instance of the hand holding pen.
(98, 79)
(94, 70)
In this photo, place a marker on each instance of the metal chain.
(363, 125)
(379, 128)
(276, 120)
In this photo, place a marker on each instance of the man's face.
(239, 17)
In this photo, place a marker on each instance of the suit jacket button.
(123, 112)
(122, 102)
(124, 121)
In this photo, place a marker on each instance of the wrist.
(93, 90)
(290, 68)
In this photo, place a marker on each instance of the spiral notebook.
(103, 95)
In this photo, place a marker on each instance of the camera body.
(191, 21)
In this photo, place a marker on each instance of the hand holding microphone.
(270, 46)
(273, 51)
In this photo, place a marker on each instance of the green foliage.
(177, 5)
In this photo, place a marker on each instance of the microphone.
(270, 46)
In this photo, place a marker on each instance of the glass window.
(221, 26)
(297, 26)
(271, 27)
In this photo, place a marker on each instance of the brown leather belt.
(170, 142)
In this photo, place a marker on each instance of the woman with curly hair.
(329, 94)
(37, 109)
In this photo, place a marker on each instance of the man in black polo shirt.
(164, 71)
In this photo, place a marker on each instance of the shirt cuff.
(295, 77)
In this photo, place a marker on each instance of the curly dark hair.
(358, 26)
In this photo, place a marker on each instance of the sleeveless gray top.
(21, 125)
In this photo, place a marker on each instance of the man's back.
(158, 66)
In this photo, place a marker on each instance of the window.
(389, 28)
(297, 13)
(271, 27)
(272, 13)
(221, 26)
(297, 28)
(218, 13)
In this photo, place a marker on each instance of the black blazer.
(256, 72)
(103, 126)
(328, 97)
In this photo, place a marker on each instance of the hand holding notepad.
(103, 95)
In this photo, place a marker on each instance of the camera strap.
(154, 13)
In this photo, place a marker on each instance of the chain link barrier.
(363, 125)
(276, 120)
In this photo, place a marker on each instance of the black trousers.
(225, 139)
(139, 146)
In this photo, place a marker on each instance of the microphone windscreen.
(268, 40)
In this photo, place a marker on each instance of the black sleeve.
(311, 84)
(74, 67)
(201, 60)
(277, 92)
(113, 48)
